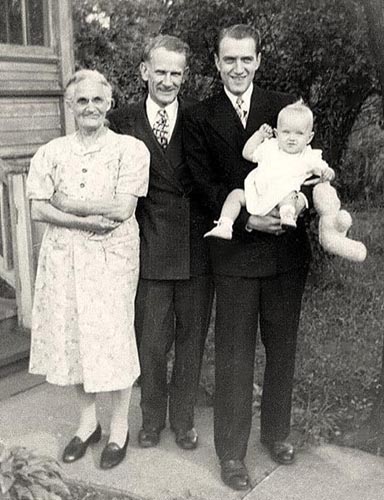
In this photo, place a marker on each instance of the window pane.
(36, 32)
(11, 30)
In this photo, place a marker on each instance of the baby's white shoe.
(222, 230)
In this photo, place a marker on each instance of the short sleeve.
(259, 153)
(40, 180)
(134, 167)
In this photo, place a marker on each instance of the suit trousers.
(241, 304)
(167, 312)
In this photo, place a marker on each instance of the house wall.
(31, 87)
(32, 112)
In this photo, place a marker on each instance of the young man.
(175, 290)
(259, 274)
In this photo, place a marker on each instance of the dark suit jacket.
(171, 223)
(214, 139)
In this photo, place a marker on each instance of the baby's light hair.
(297, 108)
(87, 74)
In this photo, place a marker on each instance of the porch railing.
(16, 249)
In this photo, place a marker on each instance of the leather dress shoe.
(148, 438)
(235, 475)
(113, 454)
(281, 452)
(187, 440)
(76, 448)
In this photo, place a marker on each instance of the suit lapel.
(226, 122)
(160, 160)
(258, 110)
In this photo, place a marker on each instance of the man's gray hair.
(168, 42)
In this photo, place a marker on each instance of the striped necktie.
(161, 128)
(241, 112)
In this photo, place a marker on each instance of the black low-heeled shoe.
(113, 454)
(76, 448)
(187, 440)
(281, 452)
(235, 475)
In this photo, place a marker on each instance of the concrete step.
(8, 308)
(14, 342)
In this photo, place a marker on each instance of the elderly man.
(175, 290)
(259, 274)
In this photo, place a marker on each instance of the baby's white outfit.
(278, 173)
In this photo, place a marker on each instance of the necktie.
(161, 128)
(241, 111)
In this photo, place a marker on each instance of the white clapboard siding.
(34, 76)
(27, 123)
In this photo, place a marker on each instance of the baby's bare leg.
(287, 209)
(233, 204)
(229, 213)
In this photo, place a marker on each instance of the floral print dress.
(83, 311)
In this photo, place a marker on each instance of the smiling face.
(293, 133)
(164, 72)
(89, 105)
(237, 62)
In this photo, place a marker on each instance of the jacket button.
(82, 185)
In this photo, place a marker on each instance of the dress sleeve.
(260, 151)
(40, 180)
(134, 168)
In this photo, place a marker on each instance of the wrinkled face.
(237, 63)
(164, 72)
(90, 105)
(293, 133)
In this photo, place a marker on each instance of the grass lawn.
(340, 340)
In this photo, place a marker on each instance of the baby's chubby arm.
(321, 169)
(264, 132)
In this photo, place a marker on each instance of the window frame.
(10, 50)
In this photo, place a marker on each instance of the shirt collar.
(152, 108)
(246, 97)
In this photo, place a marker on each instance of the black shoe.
(281, 452)
(112, 454)
(76, 448)
(235, 475)
(187, 440)
(148, 438)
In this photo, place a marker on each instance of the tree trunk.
(374, 13)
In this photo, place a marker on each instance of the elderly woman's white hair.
(87, 74)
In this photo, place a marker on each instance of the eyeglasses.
(83, 102)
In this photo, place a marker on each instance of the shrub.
(25, 475)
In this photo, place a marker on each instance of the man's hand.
(269, 223)
(99, 224)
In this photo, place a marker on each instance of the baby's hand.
(327, 175)
(266, 131)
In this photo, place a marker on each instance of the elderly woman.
(85, 186)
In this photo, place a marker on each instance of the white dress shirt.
(246, 99)
(152, 108)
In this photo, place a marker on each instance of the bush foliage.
(25, 475)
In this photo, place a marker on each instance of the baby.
(284, 163)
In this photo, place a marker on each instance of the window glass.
(24, 22)
(12, 23)
(35, 22)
